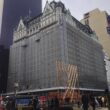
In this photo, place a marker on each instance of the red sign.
(42, 99)
(1, 98)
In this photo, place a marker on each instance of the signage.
(42, 100)
(23, 101)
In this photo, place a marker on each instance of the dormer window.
(38, 40)
(48, 9)
(27, 32)
(20, 27)
(33, 28)
(30, 30)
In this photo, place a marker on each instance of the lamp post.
(16, 85)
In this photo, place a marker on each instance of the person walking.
(35, 103)
(85, 102)
(13, 104)
(108, 101)
(56, 103)
(93, 103)
(8, 105)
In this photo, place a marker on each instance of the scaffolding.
(72, 91)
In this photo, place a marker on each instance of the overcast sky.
(78, 7)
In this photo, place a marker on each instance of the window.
(38, 40)
(86, 15)
(86, 22)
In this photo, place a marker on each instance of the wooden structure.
(72, 83)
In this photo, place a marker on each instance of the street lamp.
(16, 85)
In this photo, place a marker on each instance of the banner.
(23, 101)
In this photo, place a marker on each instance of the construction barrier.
(2, 108)
(1, 105)
(20, 107)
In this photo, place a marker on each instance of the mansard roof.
(57, 4)
(35, 17)
(52, 7)
(26, 20)
(60, 4)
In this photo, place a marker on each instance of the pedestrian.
(96, 101)
(103, 100)
(108, 101)
(85, 102)
(52, 103)
(35, 104)
(56, 102)
(100, 101)
(8, 105)
(13, 104)
(92, 102)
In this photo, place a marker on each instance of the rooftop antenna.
(29, 13)
(20, 17)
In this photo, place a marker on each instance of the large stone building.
(99, 21)
(4, 57)
(53, 36)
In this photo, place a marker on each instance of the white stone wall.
(54, 36)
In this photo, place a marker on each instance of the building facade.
(99, 21)
(54, 36)
(12, 11)
(4, 57)
(107, 65)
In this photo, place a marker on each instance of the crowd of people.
(8, 104)
(93, 101)
(34, 104)
(50, 104)
(86, 101)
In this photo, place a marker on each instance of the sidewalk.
(102, 108)
(90, 108)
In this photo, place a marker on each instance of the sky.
(77, 7)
